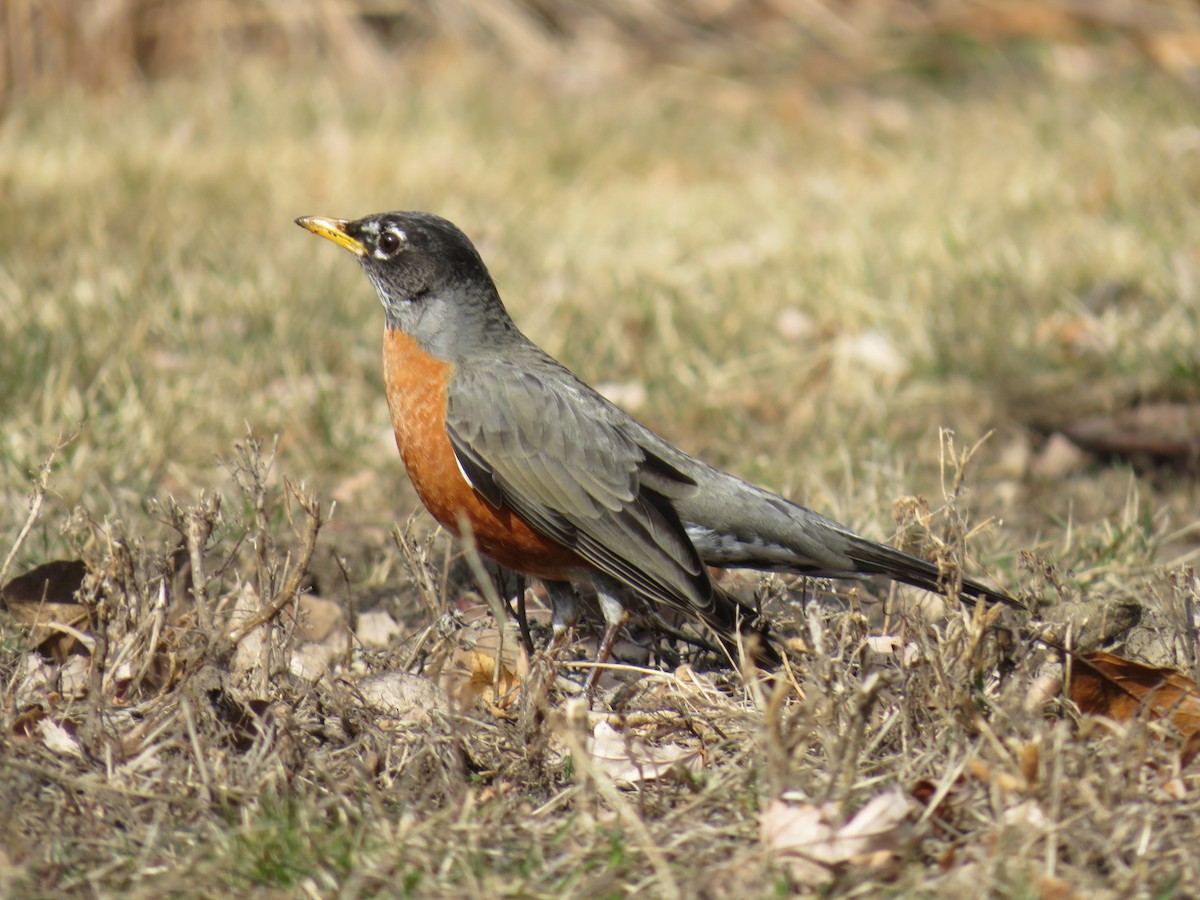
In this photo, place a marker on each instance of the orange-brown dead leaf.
(485, 662)
(1108, 685)
(480, 666)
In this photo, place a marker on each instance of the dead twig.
(296, 569)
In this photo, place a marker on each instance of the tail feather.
(734, 524)
(879, 559)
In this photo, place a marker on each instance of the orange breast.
(416, 386)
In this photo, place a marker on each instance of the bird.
(549, 478)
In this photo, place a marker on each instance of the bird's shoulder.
(525, 402)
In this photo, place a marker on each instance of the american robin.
(552, 479)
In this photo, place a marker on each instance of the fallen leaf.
(33, 681)
(629, 760)
(73, 676)
(813, 840)
(488, 668)
(43, 602)
(483, 679)
(947, 858)
(1105, 684)
(26, 723)
(58, 739)
(52, 582)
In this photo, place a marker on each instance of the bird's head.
(429, 276)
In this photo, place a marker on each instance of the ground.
(832, 292)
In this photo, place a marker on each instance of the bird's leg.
(603, 654)
(564, 614)
(522, 618)
(564, 605)
(609, 594)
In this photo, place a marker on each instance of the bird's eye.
(391, 241)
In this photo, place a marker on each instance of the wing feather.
(552, 451)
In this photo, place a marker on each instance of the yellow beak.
(334, 230)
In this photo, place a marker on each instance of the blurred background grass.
(797, 238)
(108, 43)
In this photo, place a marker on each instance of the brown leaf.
(1108, 685)
(43, 598)
(491, 668)
(52, 582)
(484, 679)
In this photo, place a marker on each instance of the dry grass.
(803, 287)
(110, 43)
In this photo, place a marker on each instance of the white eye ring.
(390, 243)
